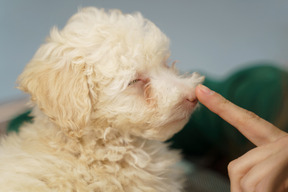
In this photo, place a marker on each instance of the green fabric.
(16, 123)
(258, 89)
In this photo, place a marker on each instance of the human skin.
(262, 169)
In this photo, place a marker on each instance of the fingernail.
(206, 90)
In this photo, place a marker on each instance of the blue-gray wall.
(214, 36)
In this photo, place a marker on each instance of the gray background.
(213, 36)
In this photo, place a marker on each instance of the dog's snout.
(192, 100)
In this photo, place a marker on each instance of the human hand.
(264, 168)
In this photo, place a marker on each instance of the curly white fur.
(105, 99)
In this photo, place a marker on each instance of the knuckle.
(225, 102)
(247, 116)
(252, 115)
(222, 106)
(233, 167)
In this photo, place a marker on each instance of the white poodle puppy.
(104, 100)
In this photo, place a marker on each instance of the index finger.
(254, 128)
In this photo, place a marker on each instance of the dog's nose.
(192, 100)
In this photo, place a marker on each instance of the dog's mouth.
(177, 121)
(183, 111)
(171, 127)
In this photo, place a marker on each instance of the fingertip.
(202, 89)
(210, 99)
(197, 89)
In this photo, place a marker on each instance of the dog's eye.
(134, 81)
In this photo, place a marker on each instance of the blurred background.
(214, 37)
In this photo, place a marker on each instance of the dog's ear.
(57, 83)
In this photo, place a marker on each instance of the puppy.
(105, 99)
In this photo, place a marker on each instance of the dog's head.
(110, 69)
